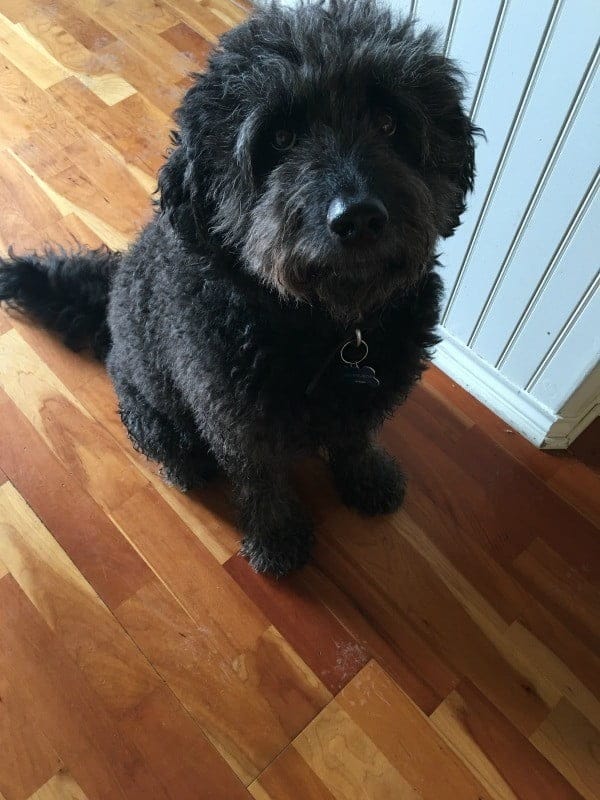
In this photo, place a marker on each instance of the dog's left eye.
(387, 124)
(284, 139)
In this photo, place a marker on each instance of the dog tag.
(357, 375)
(352, 354)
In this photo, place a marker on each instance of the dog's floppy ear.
(181, 197)
(245, 142)
(466, 175)
(460, 144)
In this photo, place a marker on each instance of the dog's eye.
(284, 139)
(387, 124)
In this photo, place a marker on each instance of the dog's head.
(327, 146)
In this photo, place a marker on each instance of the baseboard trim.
(515, 406)
(566, 429)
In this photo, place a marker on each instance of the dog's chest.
(311, 379)
(291, 367)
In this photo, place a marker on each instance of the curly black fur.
(66, 292)
(237, 294)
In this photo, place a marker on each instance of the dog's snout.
(357, 220)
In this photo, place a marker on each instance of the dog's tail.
(64, 292)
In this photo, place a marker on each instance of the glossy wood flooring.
(449, 652)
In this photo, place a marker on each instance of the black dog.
(283, 298)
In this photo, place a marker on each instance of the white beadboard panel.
(537, 133)
(436, 13)
(521, 323)
(576, 267)
(476, 26)
(502, 92)
(574, 355)
(554, 213)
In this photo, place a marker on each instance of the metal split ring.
(361, 343)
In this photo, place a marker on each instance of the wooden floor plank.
(580, 486)
(407, 584)
(60, 787)
(449, 651)
(562, 590)
(27, 759)
(73, 20)
(528, 775)
(464, 521)
(572, 745)
(406, 737)
(401, 657)
(111, 663)
(372, 741)
(406, 642)
(324, 644)
(558, 653)
(173, 742)
(287, 778)
(65, 425)
(444, 392)
(148, 78)
(187, 40)
(92, 542)
(250, 701)
(78, 369)
(538, 508)
(362, 767)
(22, 200)
(449, 721)
(198, 17)
(115, 125)
(49, 682)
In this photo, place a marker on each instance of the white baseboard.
(519, 409)
(566, 429)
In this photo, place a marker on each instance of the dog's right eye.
(284, 139)
(387, 124)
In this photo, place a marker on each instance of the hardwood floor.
(448, 652)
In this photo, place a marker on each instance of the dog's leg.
(367, 477)
(278, 533)
(185, 459)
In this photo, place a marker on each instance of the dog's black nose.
(357, 220)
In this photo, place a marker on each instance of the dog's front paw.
(371, 482)
(279, 549)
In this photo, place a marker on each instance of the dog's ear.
(466, 172)
(459, 146)
(181, 197)
(245, 145)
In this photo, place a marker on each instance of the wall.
(521, 320)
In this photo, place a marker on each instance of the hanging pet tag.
(352, 354)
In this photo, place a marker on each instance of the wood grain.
(322, 641)
(101, 553)
(27, 759)
(448, 652)
(60, 787)
(251, 697)
(113, 666)
(572, 745)
(508, 752)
